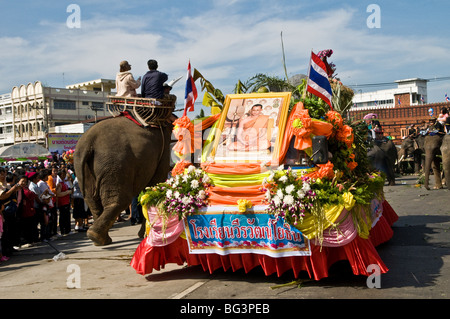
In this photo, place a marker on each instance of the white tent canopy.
(20, 151)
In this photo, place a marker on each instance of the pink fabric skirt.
(359, 252)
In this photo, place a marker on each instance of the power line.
(435, 79)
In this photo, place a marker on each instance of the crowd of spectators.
(36, 203)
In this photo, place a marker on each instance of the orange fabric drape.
(230, 195)
(234, 168)
(308, 126)
(189, 135)
(303, 140)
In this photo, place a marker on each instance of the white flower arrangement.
(182, 194)
(288, 195)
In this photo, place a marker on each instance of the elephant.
(383, 156)
(114, 161)
(445, 151)
(411, 151)
(435, 145)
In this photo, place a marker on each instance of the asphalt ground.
(418, 258)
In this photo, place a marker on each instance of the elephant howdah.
(114, 161)
(146, 111)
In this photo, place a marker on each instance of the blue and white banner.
(224, 230)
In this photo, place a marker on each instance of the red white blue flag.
(318, 83)
(190, 92)
(447, 98)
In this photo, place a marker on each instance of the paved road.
(418, 257)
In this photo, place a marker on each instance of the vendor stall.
(262, 197)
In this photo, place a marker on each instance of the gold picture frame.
(251, 127)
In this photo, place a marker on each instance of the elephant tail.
(88, 179)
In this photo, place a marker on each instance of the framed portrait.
(251, 127)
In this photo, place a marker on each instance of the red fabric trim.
(129, 116)
(360, 253)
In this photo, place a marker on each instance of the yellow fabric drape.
(325, 217)
(232, 180)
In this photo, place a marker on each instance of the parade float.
(296, 194)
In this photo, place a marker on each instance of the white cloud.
(222, 44)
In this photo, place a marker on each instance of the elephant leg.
(98, 232)
(417, 162)
(94, 206)
(437, 174)
(141, 232)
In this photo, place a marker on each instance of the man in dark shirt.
(152, 82)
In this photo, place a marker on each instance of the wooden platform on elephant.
(146, 111)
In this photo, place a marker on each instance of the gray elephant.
(445, 151)
(436, 145)
(114, 161)
(411, 152)
(383, 156)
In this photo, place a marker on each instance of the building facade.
(29, 111)
(408, 92)
(6, 122)
(396, 108)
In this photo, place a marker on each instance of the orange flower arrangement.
(345, 134)
(352, 165)
(325, 170)
(334, 118)
(179, 167)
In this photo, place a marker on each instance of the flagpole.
(307, 78)
(185, 96)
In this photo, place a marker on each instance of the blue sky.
(226, 40)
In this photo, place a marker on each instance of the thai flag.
(422, 99)
(190, 93)
(447, 98)
(399, 103)
(318, 83)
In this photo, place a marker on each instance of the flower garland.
(181, 195)
(288, 195)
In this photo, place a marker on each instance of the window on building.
(97, 106)
(64, 105)
(85, 103)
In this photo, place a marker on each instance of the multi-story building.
(408, 92)
(397, 108)
(6, 123)
(29, 111)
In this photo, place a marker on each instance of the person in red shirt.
(27, 213)
(63, 193)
